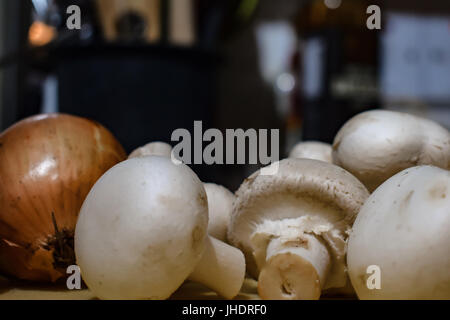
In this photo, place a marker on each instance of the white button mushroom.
(220, 204)
(142, 231)
(292, 227)
(312, 150)
(152, 149)
(403, 230)
(377, 144)
(220, 199)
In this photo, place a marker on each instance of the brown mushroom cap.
(324, 195)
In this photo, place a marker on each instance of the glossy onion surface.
(48, 164)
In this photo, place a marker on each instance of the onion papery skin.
(48, 164)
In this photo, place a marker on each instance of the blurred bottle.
(338, 67)
(130, 20)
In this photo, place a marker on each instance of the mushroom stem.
(222, 268)
(295, 269)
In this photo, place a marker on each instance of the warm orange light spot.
(40, 34)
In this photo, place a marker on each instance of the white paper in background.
(438, 59)
(277, 43)
(416, 58)
(312, 66)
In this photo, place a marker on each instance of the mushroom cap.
(404, 229)
(220, 204)
(325, 197)
(312, 150)
(156, 148)
(377, 144)
(141, 230)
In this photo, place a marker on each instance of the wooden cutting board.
(10, 290)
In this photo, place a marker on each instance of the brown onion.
(48, 164)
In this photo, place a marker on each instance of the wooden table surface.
(13, 290)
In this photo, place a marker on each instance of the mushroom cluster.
(368, 215)
(293, 226)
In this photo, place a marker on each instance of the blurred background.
(144, 68)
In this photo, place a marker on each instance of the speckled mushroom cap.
(326, 197)
(375, 145)
(404, 230)
(312, 150)
(155, 148)
(141, 229)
